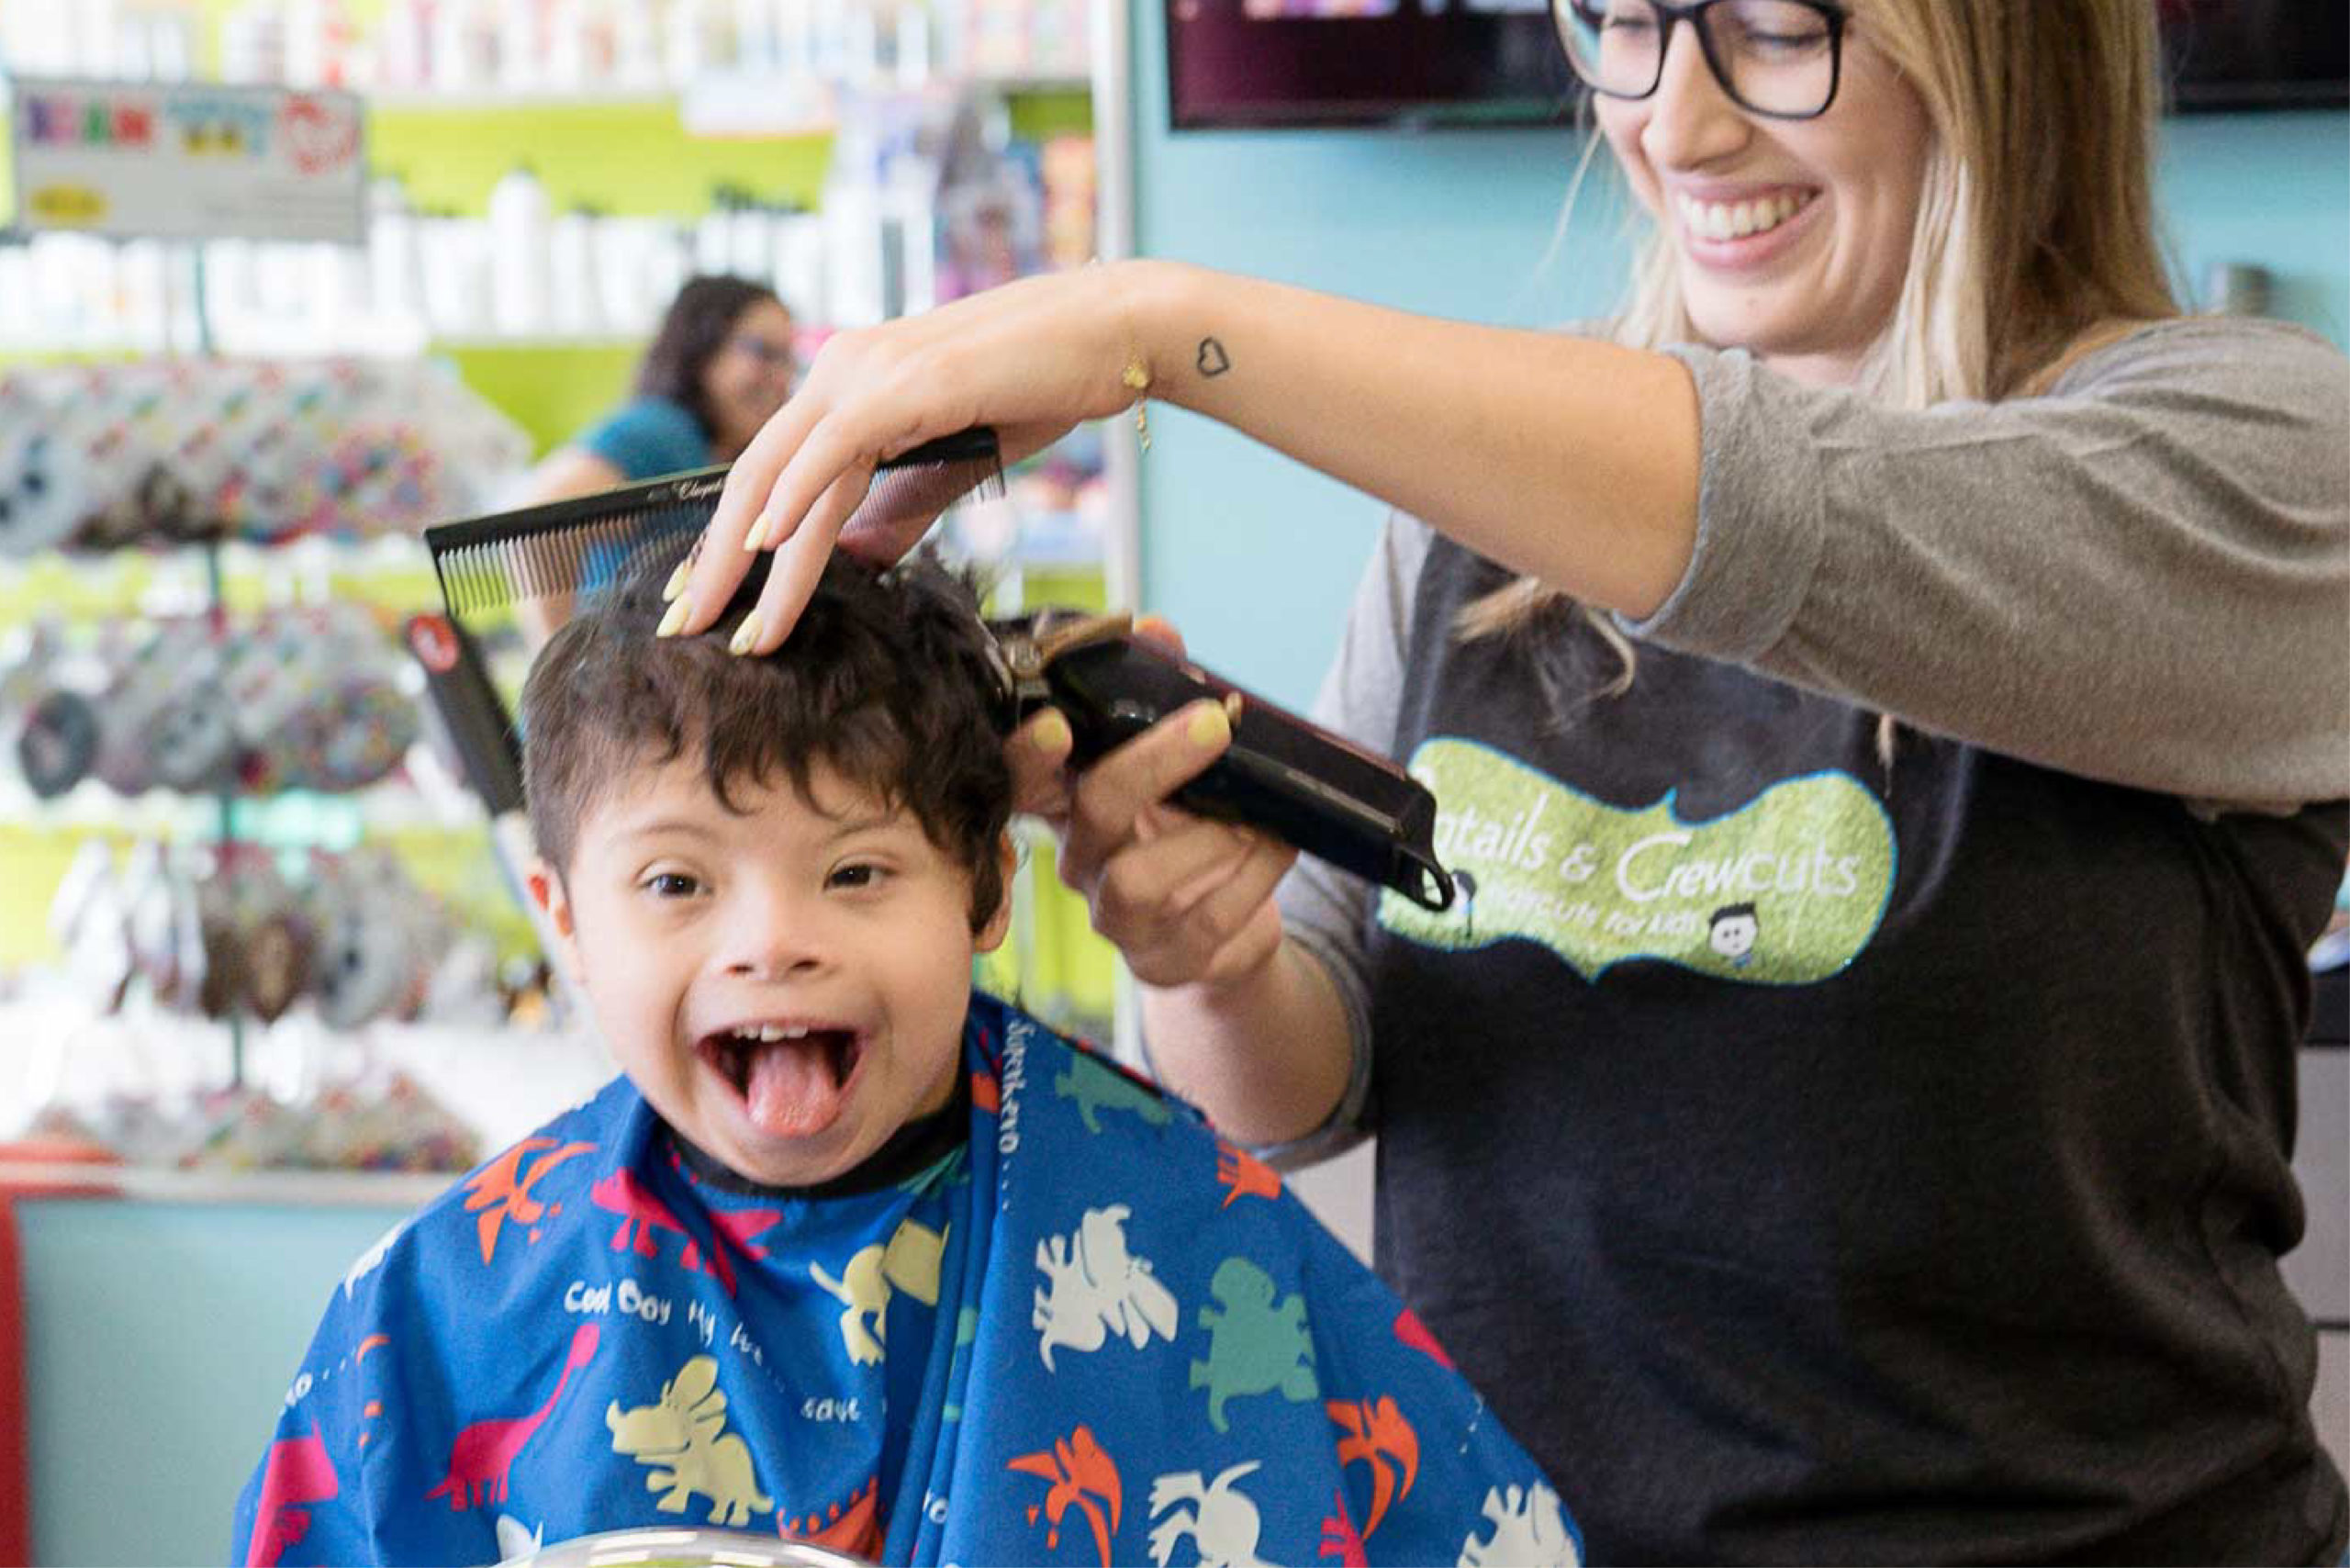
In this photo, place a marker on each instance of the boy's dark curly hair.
(889, 679)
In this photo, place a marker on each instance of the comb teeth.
(585, 555)
(587, 544)
(901, 494)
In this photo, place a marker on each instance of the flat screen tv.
(2257, 54)
(1235, 64)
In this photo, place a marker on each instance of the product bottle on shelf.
(404, 44)
(800, 265)
(714, 233)
(575, 307)
(636, 53)
(910, 33)
(454, 254)
(522, 44)
(829, 37)
(577, 47)
(854, 271)
(307, 27)
(395, 281)
(750, 240)
(518, 239)
(465, 46)
(146, 304)
(229, 283)
(687, 48)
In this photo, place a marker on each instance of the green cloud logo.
(1786, 890)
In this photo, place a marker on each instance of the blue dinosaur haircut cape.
(1091, 1334)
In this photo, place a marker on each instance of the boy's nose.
(774, 937)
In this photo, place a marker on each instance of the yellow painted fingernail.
(757, 537)
(1210, 726)
(674, 620)
(1053, 736)
(678, 581)
(745, 634)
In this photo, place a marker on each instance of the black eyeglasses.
(1777, 58)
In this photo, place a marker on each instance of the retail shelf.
(533, 342)
(270, 1189)
(466, 100)
(1035, 85)
(389, 572)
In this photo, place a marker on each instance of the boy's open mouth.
(793, 1075)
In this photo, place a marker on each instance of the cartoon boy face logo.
(1734, 930)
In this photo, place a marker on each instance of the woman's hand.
(1031, 359)
(1186, 899)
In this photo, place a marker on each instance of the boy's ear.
(546, 892)
(990, 936)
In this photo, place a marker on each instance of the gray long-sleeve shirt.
(2142, 576)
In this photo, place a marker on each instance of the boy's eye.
(860, 874)
(672, 885)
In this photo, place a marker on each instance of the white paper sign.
(187, 160)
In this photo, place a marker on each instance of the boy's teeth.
(767, 1034)
(1728, 220)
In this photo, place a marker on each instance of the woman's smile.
(1726, 233)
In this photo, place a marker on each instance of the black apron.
(1816, 1161)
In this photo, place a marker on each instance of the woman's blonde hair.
(2035, 233)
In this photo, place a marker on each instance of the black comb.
(578, 546)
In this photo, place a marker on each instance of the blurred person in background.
(721, 364)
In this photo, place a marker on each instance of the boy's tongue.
(791, 1088)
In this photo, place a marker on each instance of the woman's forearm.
(1574, 461)
(1267, 1058)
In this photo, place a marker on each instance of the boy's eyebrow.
(844, 827)
(660, 825)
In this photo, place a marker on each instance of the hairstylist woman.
(720, 363)
(1886, 684)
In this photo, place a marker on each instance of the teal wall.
(1254, 557)
(159, 1340)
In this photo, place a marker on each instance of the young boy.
(851, 1254)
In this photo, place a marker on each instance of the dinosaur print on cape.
(297, 1473)
(641, 1213)
(1254, 1346)
(1095, 1086)
(685, 1431)
(1221, 1521)
(482, 1458)
(1083, 1476)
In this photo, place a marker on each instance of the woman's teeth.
(1736, 220)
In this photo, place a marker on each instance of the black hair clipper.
(1283, 774)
